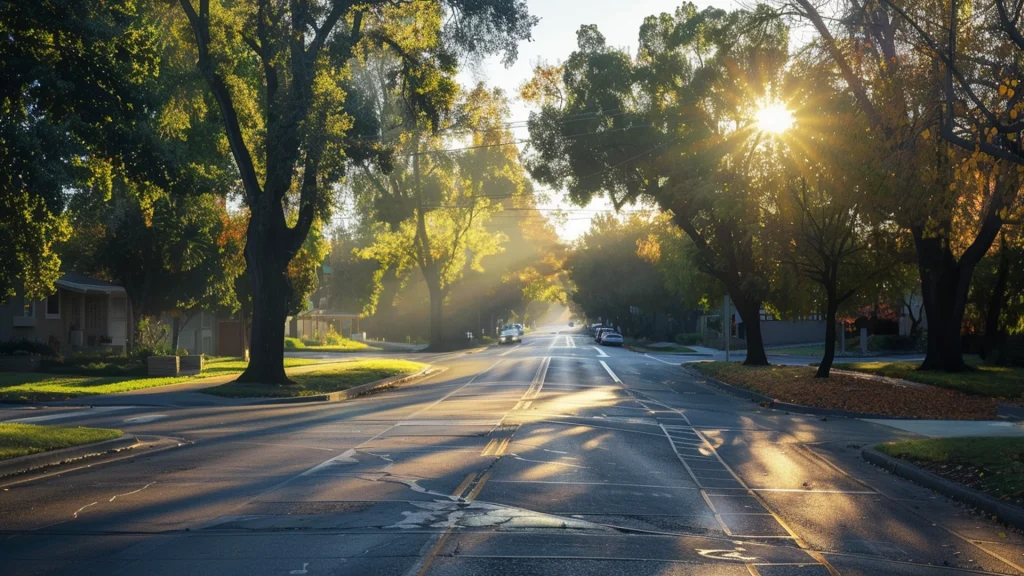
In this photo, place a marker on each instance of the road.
(549, 457)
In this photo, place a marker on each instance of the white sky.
(554, 38)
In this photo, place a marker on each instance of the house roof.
(76, 282)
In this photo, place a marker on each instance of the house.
(82, 313)
(209, 333)
(318, 322)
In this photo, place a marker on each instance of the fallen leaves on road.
(797, 385)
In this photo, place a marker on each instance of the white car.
(509, 333)
(611, 339)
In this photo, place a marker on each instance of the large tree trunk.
(267, 264)
(944, 284)
(175, 332)
(832, 307)
(436, 310)
(993, 336)
(750, 311)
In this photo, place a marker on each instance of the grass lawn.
(797, 385)
(992, 381)
(24, 439)
(42, 387)
(991, 465)
(332, 378)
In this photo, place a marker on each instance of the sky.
(554, 38)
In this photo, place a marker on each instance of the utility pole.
(726, 326)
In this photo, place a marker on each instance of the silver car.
(611, 339)
(509, 333)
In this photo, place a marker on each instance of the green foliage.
(26, 346)
(302, 270)
(294, 344)
(613, 269)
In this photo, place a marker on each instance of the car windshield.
(508, 327)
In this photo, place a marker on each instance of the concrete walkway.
(955, 428)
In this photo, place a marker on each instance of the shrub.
(96, 364)
(689, 339)
(26, 346)
(890, 342)
(293, 343)
(332, 338)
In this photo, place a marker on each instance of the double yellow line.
(496, 447)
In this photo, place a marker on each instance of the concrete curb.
(355, 391)
(23, 464)
(1005, 512)
(769, 402)
(699, 354)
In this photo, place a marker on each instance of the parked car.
(610, 338)
(571, 324)
(509, 333)
(599, 333)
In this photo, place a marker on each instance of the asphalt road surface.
(549, 457)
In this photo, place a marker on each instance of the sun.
(773, 117)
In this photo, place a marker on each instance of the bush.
(333, 338)
(293, 343)
(26, 346)
(892, 342)
(96, 364)
(689, 339)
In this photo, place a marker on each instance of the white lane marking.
(69, 414)
(610, 373)
(145, 419)
(518, 457)
(660, 360)
(75, 515)
(302, 571)
(600, 353)
(112, 498)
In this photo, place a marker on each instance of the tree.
(173, 254)
(674, 125)
(614, 270)
(77, 96)
(277, 73)
(905, 89)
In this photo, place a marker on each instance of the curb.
(23, 464)
(355, 391)
(769, 402)
(1006, 513)
(698, 354)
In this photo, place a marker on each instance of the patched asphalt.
(551, 457)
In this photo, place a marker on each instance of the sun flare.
(773, 117)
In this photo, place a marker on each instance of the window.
(53, 306)
(29, 310)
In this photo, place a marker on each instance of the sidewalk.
(784, 359)
(955, 428)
